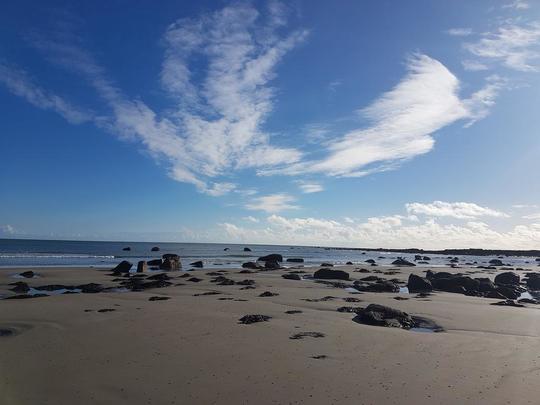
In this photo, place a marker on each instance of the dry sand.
(192, 350)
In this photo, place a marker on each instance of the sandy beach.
(192, 349)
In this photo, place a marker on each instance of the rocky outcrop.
(380, 315)
(418, 284)
(533, 281)
(507, 278)
(155, 249)
(123, 267)
(329, 274)
(496, 262)
(291, 276)
(271, 265)
(171, 262)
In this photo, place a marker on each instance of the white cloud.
(474, 65)
(403, 121)
(460, 210)
(7, 230)
(215, 124)
(524, 206)
(517, 4)
(308, 188)
(460, 32)
(249, 218)
(532, 216)
(19, 83)
(389, 232)
(272, 203)
(513, 45)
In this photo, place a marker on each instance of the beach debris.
(246, 271)
(245, 282)
(381, 315)
(320, 357)
(142, 267)
(5, 332)
(163, 276)
(291, 276)
(329, 274)
(268, 294)
(274, 257)
(417, 284)
(159, 298)
(302, 335)
(400, 298)
(248, 287)
(249, 319)
(402, 262)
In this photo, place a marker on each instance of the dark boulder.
(20, 287)
(402, 262)
(142, 267)
(126, 249)
(199, 264)
(508, 291)
(329, 274)
(380, 315)
(155, 249)
(27, 274)
(349, 263)
(249, 319)
(268, 294)
(251, 265)
(246, 249)
(378, 287)
(533, 281)
(274, 257)
(496, 262)
(508, 278)
(295, 260)
(371, 261)
(90, 288)
(271, 265)
(291, 276)
(508, 303)
(327, 265)
(171, 262)
(418, 284)
(123, 267)
(155, 262)
(485, 284)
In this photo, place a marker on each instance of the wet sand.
(192, 349)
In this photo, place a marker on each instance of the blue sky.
(375, 123)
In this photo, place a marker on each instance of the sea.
(57, 253)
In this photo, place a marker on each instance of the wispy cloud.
(474, 65)
(460, 210)
(19, 83)
(524, 206)
(7, 230)
(459, 32)
(308, 188)
(532, 216)
(272, 203)
(515, 46)
(517, 4)
(215, 124)
(403, 121)
(249, 218)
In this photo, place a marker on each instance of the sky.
(361, 123)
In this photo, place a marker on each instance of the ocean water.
(29, 253)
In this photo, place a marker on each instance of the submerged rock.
(274, 257)
(246, 249)
(123, 267)
(155, 249)
(295, 260)
(402, 262)
(198, 264)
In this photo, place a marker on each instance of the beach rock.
(291, 276)
(171, 262)
(418, 284)
(507, 278)
(249, 319)
(380, 315)
(123, 267)
(25, 296)
(327, 265)
(27, 274)
(246, 249)
(456, 284)
(533, 281)
(142, 267)
(402, 262)
(274, 257)
(251, 265)
(245, 282)
(155, 249)
(349, 263)
(90, 288)
(496, 262)
(295, 260)
(20, 287)
(226, 249)
(268, 294)
(508, 291)
(378, 287)
(271, 265)
(485, 284)
(329, 274)
(195, 279)
(293, 311)
(495, 294)
(155, 262)
(126, 249)
(527, 301)
(159, 298)
(371, 261)
(354, 310)
(162, 276)
(302, 335)
(199, 264)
